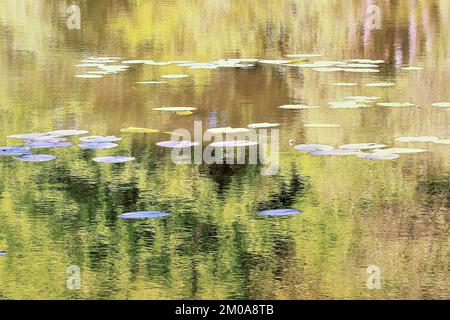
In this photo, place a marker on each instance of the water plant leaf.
(174, 76)
(113, 159)
(14, 151)
(36, 158)
(96, 139)
(263, 125)
(362, 146)
(280, 212)
(418, 139)
(378, 156)
(233, 143)
(313, 147)
(98, 145)
(144, 215)
(441, 104)
(139, 130)
(177, 144)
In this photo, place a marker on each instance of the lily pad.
(233, 143)
(227, 130)
(2, 253)
(274, 61)
(14, 151)
(441, 104)
(177, 144)
(321, 125)
(362, 146)
(48, 144)
(396, 104)
(28, 135)
(443, 141)
(412, 68)
(348, 104)
(144, 215)
(174, 76)
(378, 156)
(98, 145)
(338, 152)
(151, 82)
(36, 158)
(156, 63)
(313, 147)
(97, 139)
(139, 130)
(399, 150)
(417, 139)
(184, 113)
(135, 61)
(263, 125)
(360, 70)
(175, 109)
(114, 159)
(297, 107)
(280, 212)
(344, 84)
(362, 98)
(380, 84)
(67, 133)
(89, 76)
(327, 69)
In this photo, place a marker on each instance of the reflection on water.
(392, 214)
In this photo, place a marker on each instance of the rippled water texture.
(357, 212)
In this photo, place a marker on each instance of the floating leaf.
(2, 253)
(399, 150)
(441, 104)
(227, 130)
(348, 104)
(175, 109)
(177, 144)
(14, 151)
(417, 139)
(280, 212)
(327, 69)
(263, 125)
(362, 98)
(297, 107)
(67, 133)
(378, 156)
(151, 82)
(155, 63)
(360, 70)
(97, 145)
(233, 143)
(313, 147)
(380, 84)
(361, 65)
(144, 215)
(28, 135)
(443, 141)
(412, 68)
(136, 61)
(362, 146)
(367, 61)
(139, 130)
(36, 158)
(48, 144)
(174, 76)
(344, 84)
(97, 139)
(339, 152)
(321, 125)
(113, 159)
(89, 76)
(396, 104)
(274, 61)
(89, 65)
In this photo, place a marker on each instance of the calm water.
(392, 214)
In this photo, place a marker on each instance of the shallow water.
(394, 214)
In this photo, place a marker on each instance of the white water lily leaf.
(113, 159)
(14, 151)
(233, 143)
(49, 144)
(67, 133)
(274, 61)
(174, 109)
(344, 84)
(337, 152)
(443, 141)
(313, 147)
(399, 150)
(263, 125)
(97, 139)
(396, 104)
(174, 76)
(31, 135)
(144, 215)
(362, 98)
(324, 69)
(280, 212)
(418, 139)
(136, 61)
(412, 68)
(362, 146)
(97, 145)
(89, 76)
(227, 130)
(441, 104)
(36, 158)
(177, 144)
(361, 70)
(378, 156)
(380, 84)
(297, 106)
(348, 104)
